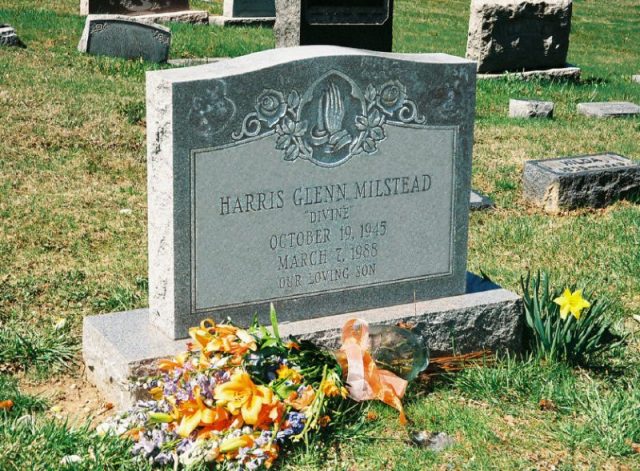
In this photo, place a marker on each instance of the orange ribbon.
(365, 380)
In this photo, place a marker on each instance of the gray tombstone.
(8, 37)
(338, 185)
(365, 24)
(585, 181)
(249, 8)
(609, 109)
(516, 35)
(530, 109)
(128, 7)
(121, 36)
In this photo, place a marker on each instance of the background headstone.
(508, 35)
(479, 202)
(246, 12)
(609, 109)
(635, 78)
(8, 37)
(374, 207)
(128, 7)
(121, 36)
(530, 109)
(586, 181)
(365, 24)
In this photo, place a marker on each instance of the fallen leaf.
(6, 405)
(635, 447)
(108, 405)
(547, 405)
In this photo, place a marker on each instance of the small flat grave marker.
(585, 181)
(610, 109)
(121, 36)
(530, 109)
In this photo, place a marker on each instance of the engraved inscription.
(333, 121)
(586, 164)
(338, 12)
(318, 230)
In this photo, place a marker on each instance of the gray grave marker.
(530, 109)
(610, 109)
(246, 12)
(585, 181)
(8, 37)
(342, 186)
(519, 35)
(366, 24)
(128, 7)
(121, 36)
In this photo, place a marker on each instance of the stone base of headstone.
(592, 181)
(479, 202)
(238, 21)
(123, 346)
(568, 73)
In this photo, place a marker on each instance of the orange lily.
(300, 401)
(243, 396)
(195, 412)
(178, 362)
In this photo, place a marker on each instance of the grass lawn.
(73, 244)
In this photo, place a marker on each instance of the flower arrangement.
(234, 399)
(564, 326)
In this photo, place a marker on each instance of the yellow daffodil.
(572, 303)
(241, 395)
(284, 372)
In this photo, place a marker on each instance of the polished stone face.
(324, 180)
(341, 12)
(250, 8)
(127, 39)
(135, 6)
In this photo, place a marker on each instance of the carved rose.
(271, 107)
(392, 96)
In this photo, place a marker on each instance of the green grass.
(73, 237)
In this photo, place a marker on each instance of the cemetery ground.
(73, 209)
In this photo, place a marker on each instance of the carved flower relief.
(212, 111)
(374, 131)
(392, 97)
(271, 107)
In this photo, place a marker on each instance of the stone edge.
(564, 73)
(84, 39)
(238, 21)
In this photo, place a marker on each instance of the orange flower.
(331, 389)
(291, 345)
(7, 405)
(241, 395)
(301, 400)
(324, 421)
(194, 413)
(222, 338)
(177, 362)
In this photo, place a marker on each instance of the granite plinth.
(122, 346)
(585, 181)
(530, 109)
(479, 202)
(609, 109)
(183, 16)
(568, 73)
(242, 21)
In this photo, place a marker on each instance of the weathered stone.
(121, 346)
(190, 62)
(184, 16)
(9, 37)
(586, 181)
(609, 109)
(635, 78)
(373, 211)
(478, 202)
(129, 7)
(365, 24)
(530, 109)
(512, 35)
(122, 36)
(569, 74)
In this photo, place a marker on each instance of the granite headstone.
(121, 36)
(585, 181)
(609, 109)
(128, 7)
(516, 35)
(366, 24)
(530, 109)
(338, 185)
(249, 8)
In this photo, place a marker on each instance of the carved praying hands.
(331, 110)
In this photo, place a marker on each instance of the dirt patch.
(71, 397)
